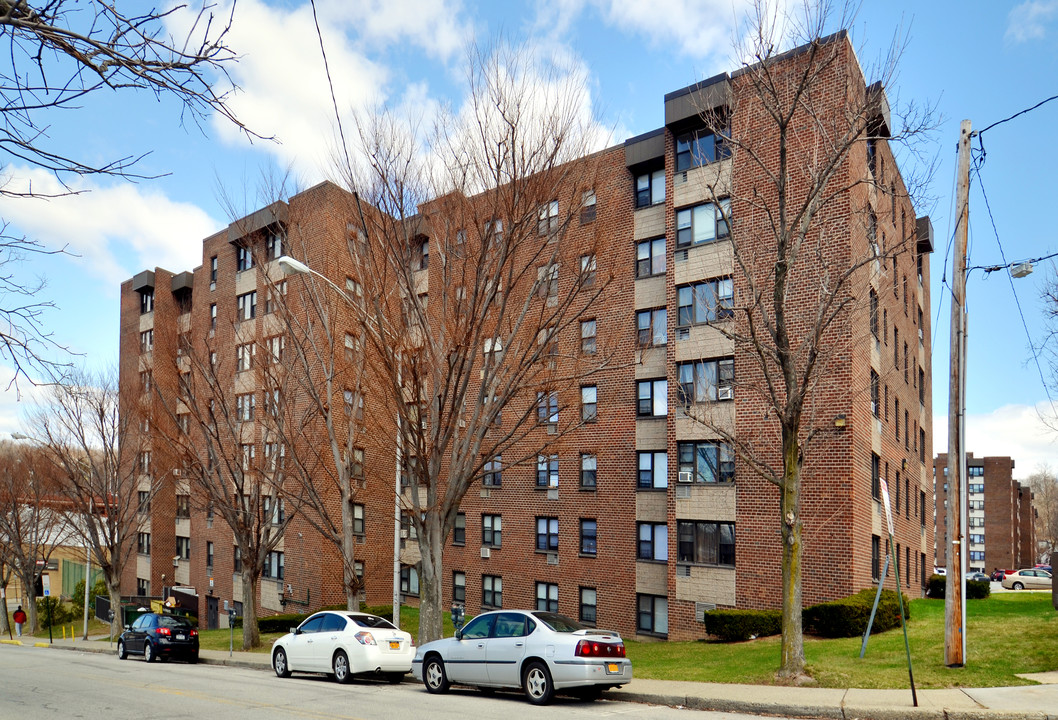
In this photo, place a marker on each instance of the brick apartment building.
(638, 519)
(1001, 526)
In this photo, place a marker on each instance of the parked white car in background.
(539, 652)
(344, 644)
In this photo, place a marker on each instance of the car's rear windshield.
(372, 621)
(173, 622)
(558, 623)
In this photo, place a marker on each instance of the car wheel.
(340, 665)
(536, 682)
(280, 664)
(394, 677)
(193, 658)
(148, 652)
(122, 653)
(1018, 586)
(434, 676)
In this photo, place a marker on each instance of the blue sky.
(978, 60)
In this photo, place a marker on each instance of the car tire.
(394, 677)
(122, 652)
(537, 684)
(434, 676)
(340, 667)
(148, 652)
(193, 658)
(1018, 586)
(280, 663)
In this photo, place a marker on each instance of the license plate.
(394, 644)
(181, 637)
(613, 668)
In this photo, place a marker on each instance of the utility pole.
(955, 552)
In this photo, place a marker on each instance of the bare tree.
(91, 444)
(793, 128)
(474, 261)
(33, 521)
(1044, 486)
(5, 581)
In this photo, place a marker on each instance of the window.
(146, 301)
(874, 313)
(276, 345)
(872, 155)
(212, 272)
(147, 341)
(589, 403)
(907, 431)
(183, 505)
(876, 474)
(547, 534)
(492, 530)
(459, 530)
(145, 462)
(272, 402)
(704, 302)
(144, 502)
(547, 283)
(273, 296)
(907, 565)
(183, 547)
(213, 316)
(588, 536)
(897, 492)
(146, 381)
(409, 580)
(876, 559)
(896, 344)
(587, 337)
(547, 470)
(236, 559)
(706, 380)
(652, 614)
(587, 206)
(699, 147)
(547, 597)
(422, 256)
(875, 400)
(896, 417)
(353, 288)
(245, 406)
(493, 472)
(273, 510)
(209, 554)
(650, 188)
(922, 569)
(702, 223)
(492, 591)
(143, 587)
(588, 605)
(547, 407)
(709, 461)
(248, 452)
(653, 541)
(588, 268)
(908, 500)
(650, 258)
(247, 306)
(708, 543)
(459, 587)
(885, 404)
(354, 404)
(653, 470)
(143, 543)
(652, 398)
(651, 328)
(905, 363)
(494, 232)
(356, 464)
(588, 466)
(244, 355)
(922, 507)
(921, 445)
(358, 519)
(243, 258)
(548, 217)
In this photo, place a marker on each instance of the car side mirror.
(128, 627)
(459, 634)
(294, 631)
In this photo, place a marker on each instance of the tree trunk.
(793, 651)
(251, 636)
(29, 600)
(114, 591)
(352, 584)
(431, 606)
(5, 623)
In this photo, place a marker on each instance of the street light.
(290, 266)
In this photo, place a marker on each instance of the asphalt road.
(46, 684)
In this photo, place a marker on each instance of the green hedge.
(975, 589)
(734, 625)
(61, 613)
(848, 616)
(283, 623)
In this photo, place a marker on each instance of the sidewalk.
(1029, 702)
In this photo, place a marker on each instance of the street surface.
(44, 683)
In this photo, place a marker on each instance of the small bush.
(735, 625)
(61, 613)
(935, 587)
(100, 588)
(978, 589)
(383, 611)
(848, 616)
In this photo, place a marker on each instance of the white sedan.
(539, 652)
(344, 644)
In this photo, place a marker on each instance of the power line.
(1017, 114)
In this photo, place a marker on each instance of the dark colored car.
(155, 635)
(979, 576)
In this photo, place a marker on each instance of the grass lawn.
(1005, 634)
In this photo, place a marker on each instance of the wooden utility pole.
(955, 537)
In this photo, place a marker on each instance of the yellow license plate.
(613, 667)
(395, 645)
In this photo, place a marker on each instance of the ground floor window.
(588, 605)
(653, 614)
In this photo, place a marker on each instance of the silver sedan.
(539, 652)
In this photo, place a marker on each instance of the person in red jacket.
(20, 619)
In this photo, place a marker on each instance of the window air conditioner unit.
(683, 492)
(680, 256)
(685, 476)
(701, 608)
(683, 333)
(403, 534)
(552, 493)
(486, 552)
(552, 558)
(725, 393)
(683, 571)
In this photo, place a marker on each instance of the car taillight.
(365, 638)
(164, 631)
(588, 648)
(194, 633)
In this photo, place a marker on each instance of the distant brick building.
(1001, 527)
(640, 519)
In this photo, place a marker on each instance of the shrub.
(935, 587)
(848, 616)
(978, 589)
(734, 625)
(61, 613)
(275, 623)
(100, 588)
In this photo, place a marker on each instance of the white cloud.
(1015, 431)
(1028, 21)
(115, 229)
(436, 26)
